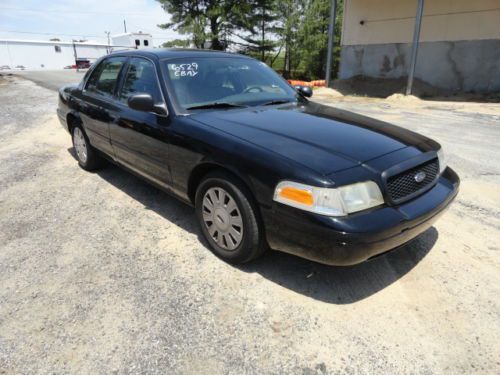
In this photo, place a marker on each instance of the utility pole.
(414, 47)
(107, 34)
(263, 31)
(8, 51)
(76, 56)
(125, 25)
(331, 37)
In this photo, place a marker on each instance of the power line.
(433, 15)
(154, 34)
(37, 33)
(81, 35)
(74, 12)
(32, 10)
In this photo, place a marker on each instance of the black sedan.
(263, 166)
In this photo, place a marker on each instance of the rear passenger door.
(98, 102)
(140, 139)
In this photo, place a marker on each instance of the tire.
(232, 206)
(87, 156)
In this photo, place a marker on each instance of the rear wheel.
(229, 218)
(87, 156)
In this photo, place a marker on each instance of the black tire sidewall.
(251, 246)
(93, 160)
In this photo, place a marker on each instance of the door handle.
(122, 123)
(113, 117)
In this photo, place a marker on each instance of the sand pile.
(327, 93)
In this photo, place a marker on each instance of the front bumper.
(355, 238)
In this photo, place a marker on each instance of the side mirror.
(144, 102)
(304, 90)
(141, 102)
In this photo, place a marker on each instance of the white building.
(38, 54)
(459, 48)
(138, 40)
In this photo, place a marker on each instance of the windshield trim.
(217, 105)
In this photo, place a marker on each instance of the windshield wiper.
(277, 101)
(217, 105)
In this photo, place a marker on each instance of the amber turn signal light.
(297, 195)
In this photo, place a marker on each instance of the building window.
(58, 49)
(137, 42)
(146, 42)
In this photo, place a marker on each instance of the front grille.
(404, 184)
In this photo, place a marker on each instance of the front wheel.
(229, 218)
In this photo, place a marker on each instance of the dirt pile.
(384, 87)
(325, 92)
(410, 99)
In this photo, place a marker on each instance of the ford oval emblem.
(420, 176)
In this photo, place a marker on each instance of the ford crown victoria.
(263, 165)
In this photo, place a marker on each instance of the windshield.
(202, 82)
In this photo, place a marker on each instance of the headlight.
(331, 202)
(442, 160)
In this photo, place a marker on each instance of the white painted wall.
(42, 55)
(392, 21)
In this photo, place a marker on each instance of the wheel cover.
(80, 145)
(222, 218)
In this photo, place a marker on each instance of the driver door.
(141, 139)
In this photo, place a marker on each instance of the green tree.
(177, 43)
(290, 16)
(292, 35)
(206, 20)
(262, 23)
(313, 37)
(337, 38)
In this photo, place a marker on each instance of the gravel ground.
(101, 273)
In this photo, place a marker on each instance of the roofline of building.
(128, 34)
(26, 41)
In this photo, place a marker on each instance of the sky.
(81, 19)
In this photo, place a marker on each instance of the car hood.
(324, 138)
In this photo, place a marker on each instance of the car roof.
(165, 53)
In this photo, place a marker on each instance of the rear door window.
(104, 78)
